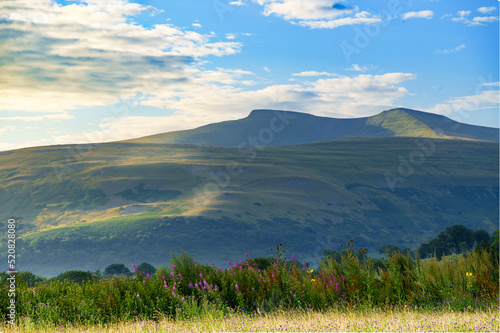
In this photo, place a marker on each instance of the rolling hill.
(284, 128)
(85, 207)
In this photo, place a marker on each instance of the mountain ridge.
(303, 128)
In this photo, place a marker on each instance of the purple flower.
(138, 295)
(241, 267)
(236, 286)
(182, 299)
(171, 273)
(293, 256)
(173, 266)
(249, 268)
(196, 285)
(190, 285)
(194, 262)
(180, 275)
(211, 263)
(173, 288)
(246, 255)
(229, 262)
(165, 285)
(163, 277)
(143, 281)
(148, 275)
(201, 275)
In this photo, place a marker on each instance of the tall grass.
(187, 289)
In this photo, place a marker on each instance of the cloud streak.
(425, 14)
(317, 14)
(453, 50)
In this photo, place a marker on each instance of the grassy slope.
(308, 197)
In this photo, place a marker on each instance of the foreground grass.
(402, 320)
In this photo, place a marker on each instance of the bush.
(76, 276)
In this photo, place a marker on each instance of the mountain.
(85, 207)
(284, 128)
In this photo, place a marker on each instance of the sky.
(106, 70)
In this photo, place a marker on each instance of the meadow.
(457, 293)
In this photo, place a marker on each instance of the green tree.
(146, 268)
(29, 279)
(75, 275)
(453, 240)
(116, 269)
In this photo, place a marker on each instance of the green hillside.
(84, 207)
(283, 128)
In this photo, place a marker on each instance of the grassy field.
(458, 293)
(91, 206)
(392, 320)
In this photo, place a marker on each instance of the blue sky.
(95, 71)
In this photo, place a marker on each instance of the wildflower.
(246, 255)
(211, 263)
(236, 286)
(165, 285)
(249, 268)
(190, 285)
(310, 271)
(195, 263)
(173, 266)
(173, 288)
(229, 262)
(182, 299)
(313, 280)
(143, 281)
(293, 256)
(468, 274)
(138, 295)
(171, 273)
(163, 277)
(180, 275)
(148, 275)
(201, 275)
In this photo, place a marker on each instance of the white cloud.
(360, 68)
(196, 25)
(453, 50)
(234, 35)
(460, 105)
(485, 10)
(314, 73)
(89, 53)
(237, 3)
(463, 17)
(426, 14)
(317, 14)
(267, 69)
(484, 19)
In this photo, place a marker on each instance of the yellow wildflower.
(312, 280)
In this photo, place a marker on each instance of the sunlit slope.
(292, 128)
(86, 207)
